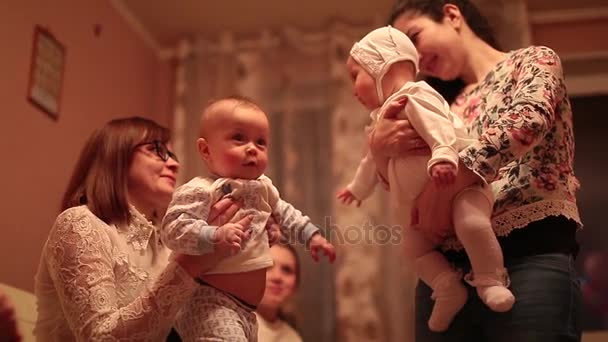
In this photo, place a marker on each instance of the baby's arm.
(185, 228)
(429, 114)
(294, 224)
(363, 184)
(300, 228)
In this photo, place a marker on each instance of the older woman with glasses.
(104, 274)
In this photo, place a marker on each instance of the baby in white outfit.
(383, 67)
(234, 144)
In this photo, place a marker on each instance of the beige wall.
(576, 37)
(112, 75)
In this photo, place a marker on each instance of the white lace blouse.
(106, 282)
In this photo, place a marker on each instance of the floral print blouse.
(522, 117)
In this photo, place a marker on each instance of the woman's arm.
(80, 260)
(525, 120)
(520, 127)
(296, 227)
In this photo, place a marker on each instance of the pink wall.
(113, 75)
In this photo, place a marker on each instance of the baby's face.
(364, 85)
(238, 143)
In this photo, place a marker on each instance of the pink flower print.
(524, 136)
(547, 94)
(546, 181)
(491, 136)
(475, 101)
(527, 114)
(458, 101)
(563, 168)
(546, 59)
(502, 173)
(491, 131)
(472, 109)
(570, 197)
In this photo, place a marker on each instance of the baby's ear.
(203, 148)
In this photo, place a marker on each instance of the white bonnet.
(380, 49)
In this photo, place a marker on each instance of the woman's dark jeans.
(548, 306)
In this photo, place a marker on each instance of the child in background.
(233, 143)
(383, 67)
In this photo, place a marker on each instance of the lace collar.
(140, 231)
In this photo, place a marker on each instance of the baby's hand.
(229, 238)
(443, 174)
(273, 229)
(347, 197)
(318, 243)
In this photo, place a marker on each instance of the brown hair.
(288, 317)
(293, 252)
(434, 9)
(99, 179)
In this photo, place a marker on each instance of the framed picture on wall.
(46, 72)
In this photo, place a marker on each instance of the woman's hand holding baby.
(394, 137)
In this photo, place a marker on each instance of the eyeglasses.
(161, 150)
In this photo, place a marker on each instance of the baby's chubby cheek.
(233, 159)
